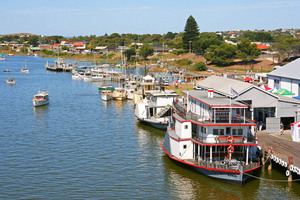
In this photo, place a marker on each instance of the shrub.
(179, 51)
(200, 66)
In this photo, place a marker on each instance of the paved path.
(282, 145)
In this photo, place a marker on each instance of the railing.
(220, 139)
(181, 110)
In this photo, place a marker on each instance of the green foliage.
(200, 66)
(179, 51)
(129, 52)
(205, 41)
(247, 51)
(191, 32)
(146, 50)
(286, 47)
(33, 40)
(184, 62)
(46, 52)
(258, 36)
(222, 55)
(170, 35)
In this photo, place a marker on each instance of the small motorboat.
(106, 95)
(10, 81)
(119, 94)
(40, 98)
(6, 70)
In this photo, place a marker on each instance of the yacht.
(40, 98)
(106, 95)
(119, 94)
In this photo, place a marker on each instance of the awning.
(297, 97)
(282, 91)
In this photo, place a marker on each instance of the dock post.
(263, 150)
(269, 153)
(290, 178)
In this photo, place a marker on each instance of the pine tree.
(191, 32)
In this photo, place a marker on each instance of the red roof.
(261, 46)
(78, 44)
(56, 44)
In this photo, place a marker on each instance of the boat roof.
(162, 93)
(218, 101)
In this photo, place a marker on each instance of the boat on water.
(60, 66)
(10, 54)
(155, 109)
(106, 87)
(130, 87)
(211, 134)
(25, 70)
(6, 70)
(2, 57)
(106, 95)
(40, 98)
(119, 94)
(10, 81)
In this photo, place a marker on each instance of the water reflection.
(40, 115)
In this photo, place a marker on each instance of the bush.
(179, 51)
(184, 62)
(200, 66)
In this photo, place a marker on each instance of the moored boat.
(211, 134)
(119, 94)
(106, 87)
(2, 57)
(10, 81)
(155, 109)
(40, 98)
(106, 95)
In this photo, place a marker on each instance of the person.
(281, 129)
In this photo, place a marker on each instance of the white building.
(287, 77)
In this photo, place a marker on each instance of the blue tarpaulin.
(297, 97)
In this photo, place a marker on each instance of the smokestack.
(210, 93)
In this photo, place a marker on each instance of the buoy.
(295, 169)
(222, 162)
(291, 167)
(285, 164)
(280, 161)
(277, 160)
(298, 171)
(287, 173)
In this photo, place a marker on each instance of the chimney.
(210, 93)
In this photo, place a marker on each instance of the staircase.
(162, 111)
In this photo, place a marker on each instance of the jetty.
(281, 151)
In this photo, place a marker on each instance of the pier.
(282, 151)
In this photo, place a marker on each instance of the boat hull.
(106, 97)
(37, 103)
(158, 125)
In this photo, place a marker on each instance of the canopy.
(265, 87)
(297, 97)
(282, 91)
(274, 90)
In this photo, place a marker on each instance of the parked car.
(210, 70)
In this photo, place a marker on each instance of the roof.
(262, 47)
(78, 44)
(222, 85)
(100, 47)
(157, 93)
(218, 101)
(290, 70)
(56, 44)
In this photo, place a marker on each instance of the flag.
(234, 92)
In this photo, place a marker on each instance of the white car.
(210, 70)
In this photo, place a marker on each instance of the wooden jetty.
(282, 151)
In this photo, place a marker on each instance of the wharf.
(282, 147)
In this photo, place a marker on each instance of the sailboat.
(25, 70)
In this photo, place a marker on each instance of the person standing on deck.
(281, 129)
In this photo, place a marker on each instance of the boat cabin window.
(221, 131)
(186, 126)
(240, 132)
(234, 132)
(184, 146)
(216, 132)
(227, 130)
(203, 129)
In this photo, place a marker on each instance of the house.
(79, 46)
(287, 77)
(101, 49)
(268, 108)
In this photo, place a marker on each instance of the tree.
(206, 40)
(223, 54)
(191, 32)
(146, 50)
(33, 40)
(247, 51)
(200, 66)
(129, 52)
(170, 35)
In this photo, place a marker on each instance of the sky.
(97, 17)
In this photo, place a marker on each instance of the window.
(186, 126)
(227, 130)
(221, 131)
(276, 84)
(234, 132)
(184, 146)
(240, 132)
(216, 132)
(204, 130)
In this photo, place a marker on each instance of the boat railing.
(226, 164)
(181, 109)
(223, 139)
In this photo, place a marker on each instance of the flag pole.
(230, 105)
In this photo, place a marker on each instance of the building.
(287, 77)
(263, 103)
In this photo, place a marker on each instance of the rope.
(266, 179)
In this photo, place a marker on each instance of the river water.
(79, 147)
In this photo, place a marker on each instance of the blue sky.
(97, 17)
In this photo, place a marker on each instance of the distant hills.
(19, 34)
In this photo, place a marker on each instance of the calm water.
(79, 147)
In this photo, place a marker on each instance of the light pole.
(190, 45)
